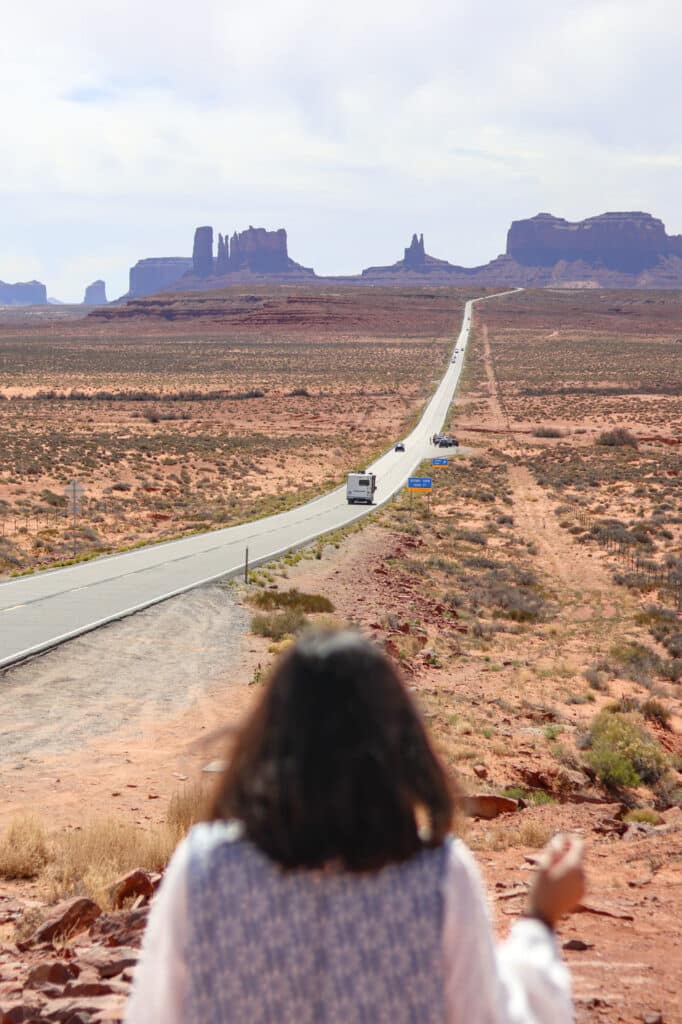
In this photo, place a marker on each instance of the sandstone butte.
(95, 294)
(612, 250)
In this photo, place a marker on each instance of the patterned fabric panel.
(272, 947)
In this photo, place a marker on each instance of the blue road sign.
(419, 483)
(439, 462)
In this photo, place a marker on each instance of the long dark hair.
(333, 765)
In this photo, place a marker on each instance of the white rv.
(360, 488)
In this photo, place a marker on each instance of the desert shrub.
(481, 562)
(517, 604)
(292, 599)
(473, 537)
(548, 432)
(597, 679)
(445, 565)
(277, 625)
(120, 486)
(644, 814)
(668, 792)
(618, 437)
(622, 751)
(657, 712)
(23, 849)
(637, 662)
(673, 669)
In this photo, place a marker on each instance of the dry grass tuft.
(23, 849)
(86, 861)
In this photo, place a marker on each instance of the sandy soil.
(506, 701)
(115, 712)
(258, 401)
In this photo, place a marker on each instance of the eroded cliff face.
(625, 242)
(254, 251)
(95, 294)
(613, 250)
(156, 274)
(26, 293)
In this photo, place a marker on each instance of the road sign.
(439, 462)
(419, 483)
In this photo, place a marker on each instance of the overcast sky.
(124, 125)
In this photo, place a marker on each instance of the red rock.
(20, 1013)
(69, 1010)
(68, 917)
(120, 928)
(90, 988)
(577, 944)
(488, 805)
(481, 771)
(110, 962)
(53, 972)
(133, 885)
(604, 910)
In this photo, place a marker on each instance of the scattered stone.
(10, 910)
(215, 766)
(110, 962)
(481, 771)
(53, 972)
(119, 928)
(652, 1018)
(638, 830)
(487, 805)
(604, 911)
(135, 884)
(610, 826)
(577, 944)
(68, 917)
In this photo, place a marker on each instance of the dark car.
(400, 447)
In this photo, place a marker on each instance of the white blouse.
(520, 981)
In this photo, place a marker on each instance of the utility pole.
(74, 492)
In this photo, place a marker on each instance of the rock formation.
(202, 253)
(27, 293)
(626, 242)
(156, 274)
(415, 257)
(415, 261)
(260, 251)
(255, 251)
(95, 294)
(613, 250)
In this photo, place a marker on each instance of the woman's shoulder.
(207, 839)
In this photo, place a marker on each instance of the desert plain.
(533, 604)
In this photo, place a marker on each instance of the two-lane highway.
(45, 609)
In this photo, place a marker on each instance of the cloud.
(124, 125)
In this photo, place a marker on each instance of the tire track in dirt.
(494, 397)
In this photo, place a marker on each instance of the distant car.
(400, 447)
(447, 441)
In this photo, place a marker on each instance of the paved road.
(40, 611)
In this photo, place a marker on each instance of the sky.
(125, 125)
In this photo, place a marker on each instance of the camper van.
(360, 488)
